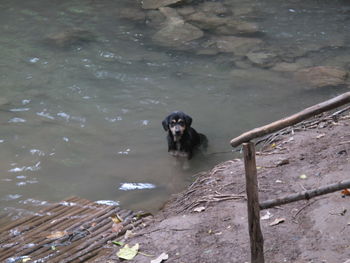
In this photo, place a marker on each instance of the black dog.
(182, 138)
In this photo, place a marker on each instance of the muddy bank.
(208, 221)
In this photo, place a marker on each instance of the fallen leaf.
(320, 136)
(199, 209)
(127, 252)
(25, 259)
(345, 192)
(57, 234)
(279, 181)
(303, 176)
(277, 221)
(268, 215)
(128, 234)
(118, 243)
(160, 258)
(117, 227)
(116, 218)
(282, 162)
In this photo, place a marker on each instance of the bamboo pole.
(255, 234)
(293, 119)
(305, 194)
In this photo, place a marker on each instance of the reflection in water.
(84, 93)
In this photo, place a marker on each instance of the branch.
(293, 119)
(305, 194)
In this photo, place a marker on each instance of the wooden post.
(255, 234)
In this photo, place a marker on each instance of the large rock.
(240, 46)
(155, 4)
(323, 76)
(206, 21)
(131, 13)
(70, 37)
(262, 59)
(238, 27)
(176, 32)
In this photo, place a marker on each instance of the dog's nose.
(177, 130)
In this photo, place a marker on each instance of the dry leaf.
(345, 192)
(25, 259)
(57, 234)
(199, 209)
(128, 234)
(320, 136)
(117, 227)
(161, 257)
(277, 221)
(303, 176)
(268, 215)
(116, 218)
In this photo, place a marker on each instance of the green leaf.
(127, 252)
(118, 243)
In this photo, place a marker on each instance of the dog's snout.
(177, 129)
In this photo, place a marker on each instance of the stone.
(130, 13)
(286, 67)
(238, 45)
(4, 101)
(186, 10)
(238, 27)
(206, 21)
(323, 76)
(155, 18)
(176, 31)
(216, 8)
(262, 59)
(155, 4)
(70, 37)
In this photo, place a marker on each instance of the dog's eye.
(172, 124)
(181, 123)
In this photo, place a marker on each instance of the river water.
(85, 118)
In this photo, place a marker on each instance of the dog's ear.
(188, 120)
(165, 124)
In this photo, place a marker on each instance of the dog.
(182, 138)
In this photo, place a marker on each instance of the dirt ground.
(208, 221)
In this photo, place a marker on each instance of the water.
(85, 118)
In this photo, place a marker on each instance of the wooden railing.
(253, 204)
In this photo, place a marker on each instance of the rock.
(186, 10)
(155, 18)
(262, 59)
(206, 21)
(238, 27)
(4, 101)
(70, 37)
(176, 31)
(130, 13)
(216, 8)
(323, 76)
(286, 67)
(155, 4)
(238, 45)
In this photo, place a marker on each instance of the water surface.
(84, 119)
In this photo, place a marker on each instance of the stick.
(305, 194)
(256, 237)
(293, 119)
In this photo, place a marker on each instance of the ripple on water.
(136, 186)
(17, 120)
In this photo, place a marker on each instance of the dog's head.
(177, 123)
